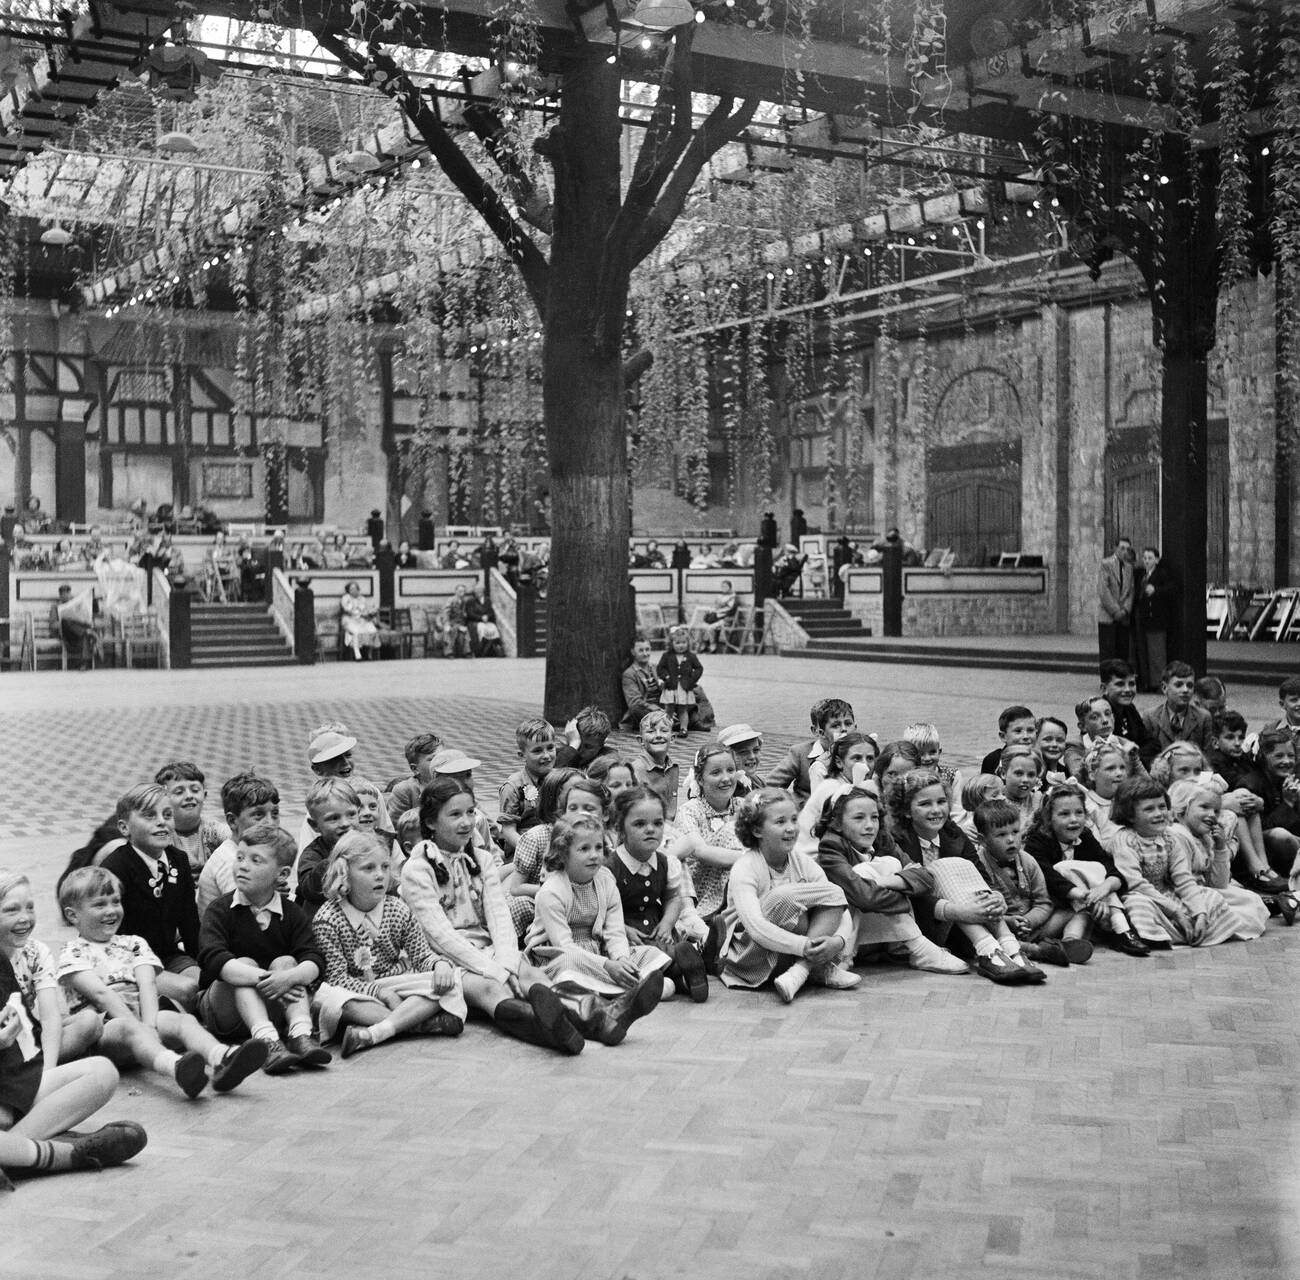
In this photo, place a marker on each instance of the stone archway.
(973, 480)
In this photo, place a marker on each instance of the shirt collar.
(275, 907)
(635, 867)
(360, 919)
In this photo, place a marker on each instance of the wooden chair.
(651, 623)
(400, 629)
(40, 640)
(739, 636)
(329, 638)
(432, 633)
(141, 637)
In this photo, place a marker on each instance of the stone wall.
(977, 616)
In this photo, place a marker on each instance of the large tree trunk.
(1184, 307)
(1183, 482)
(590, 617)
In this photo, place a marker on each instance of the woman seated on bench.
(719, 620)
(360, 633)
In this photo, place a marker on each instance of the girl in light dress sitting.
(1239, 810)
(710, 817)
(457, 898)
(564, 792)
(381, 979)
(785, 921)
(1196, 809)
(1104, 768)
(1164, 901)
(577, 937)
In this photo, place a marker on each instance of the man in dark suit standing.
(1156, 611)
(1115, 592)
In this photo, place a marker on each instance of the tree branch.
(379, 70)
(635, 365)
(534, 203)
(720, 127)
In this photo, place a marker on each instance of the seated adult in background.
(641, 686)
(719, 620)
(406, 558)
(360, 634)
(72, 620)
(788, 570)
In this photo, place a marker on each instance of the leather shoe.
(692, 970)
(1130, 944)
(308, 1051)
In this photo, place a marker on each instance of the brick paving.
(1131, 1120)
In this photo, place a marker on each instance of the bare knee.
(280, 963)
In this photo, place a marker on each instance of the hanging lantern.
(177, 143)
(663, 15)
(358, 161)
(177, 70)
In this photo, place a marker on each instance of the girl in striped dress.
(1195, 807)
(785, 920)
(1164, 901)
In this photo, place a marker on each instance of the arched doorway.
(973, 481)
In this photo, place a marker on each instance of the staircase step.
(258, 660)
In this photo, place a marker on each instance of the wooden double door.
(973, 500)
(1133, 497)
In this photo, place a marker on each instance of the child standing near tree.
(680, 671)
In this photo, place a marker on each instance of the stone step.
(256, 660)
(1242, 671)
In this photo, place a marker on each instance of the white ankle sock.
(165, 1062)
(264, 1031)
(986, 946)
(217, 1054)
(302, 1028)
(380, 1032)
(1009, 946)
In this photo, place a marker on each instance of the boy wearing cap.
(652, 766)
(446, 762)
(746, 745)
(329, 752)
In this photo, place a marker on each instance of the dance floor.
(1129, 1120)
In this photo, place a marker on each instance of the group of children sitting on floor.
(206, 951)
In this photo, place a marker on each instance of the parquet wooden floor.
(1130, 1120)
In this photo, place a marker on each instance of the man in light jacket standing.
(1115, 585)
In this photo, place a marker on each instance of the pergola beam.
(992, 97)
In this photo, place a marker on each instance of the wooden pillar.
(70, 471)
(1183, 272)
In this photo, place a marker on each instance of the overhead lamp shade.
(664, 15)
(177, 143)
(56, 236)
